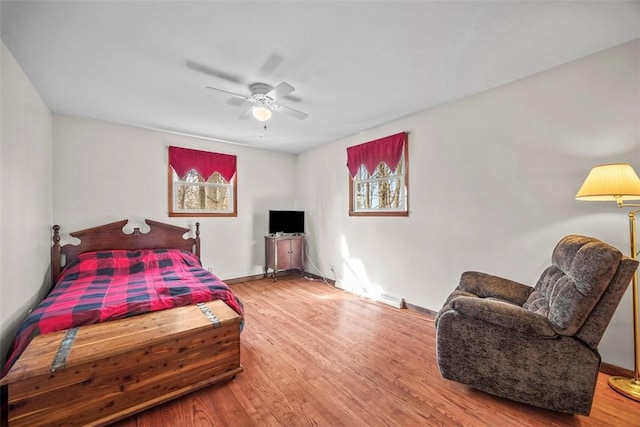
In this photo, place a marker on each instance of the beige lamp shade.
(615, 182)
(261, 113)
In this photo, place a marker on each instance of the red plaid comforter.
(107, 285)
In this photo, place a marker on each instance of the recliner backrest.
(593, 328)
(567, 292)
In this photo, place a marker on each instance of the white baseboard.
(392, 301)
(383, 298)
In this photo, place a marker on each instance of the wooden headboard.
(111, 236)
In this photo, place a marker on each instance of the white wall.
(492, 180)
(106, 172)
(26, 203)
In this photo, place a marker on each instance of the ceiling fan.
(263, 100)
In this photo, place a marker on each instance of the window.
(202, 183)
(378, 183)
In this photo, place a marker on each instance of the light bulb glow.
(261, 113)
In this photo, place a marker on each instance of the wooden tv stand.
(283, 252)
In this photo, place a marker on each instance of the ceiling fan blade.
(212, 71)
(293, 113)
(237, 95)
(236, 101)
(281, 90)
(292, 98)
(273, 61)
(246, 114)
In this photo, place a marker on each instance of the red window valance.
(182, 160)
(370, 154)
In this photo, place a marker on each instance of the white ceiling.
(354, 65)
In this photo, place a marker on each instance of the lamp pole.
(630, 387)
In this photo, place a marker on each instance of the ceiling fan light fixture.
(261, 113)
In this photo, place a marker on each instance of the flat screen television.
(288, 222)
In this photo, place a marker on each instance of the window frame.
(379, 212)
(172, 203)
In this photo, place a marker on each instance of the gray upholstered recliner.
(535, 345)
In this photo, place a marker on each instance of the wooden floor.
(317, 356)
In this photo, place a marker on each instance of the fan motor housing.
(260, 88)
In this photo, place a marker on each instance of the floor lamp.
(619, 183)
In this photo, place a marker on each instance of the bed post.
(55, 255)
(198, 240)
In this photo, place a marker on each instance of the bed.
(132, 320)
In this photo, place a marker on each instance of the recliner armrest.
(489, 286)
(504, 314)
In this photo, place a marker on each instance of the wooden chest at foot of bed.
(111, 370)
